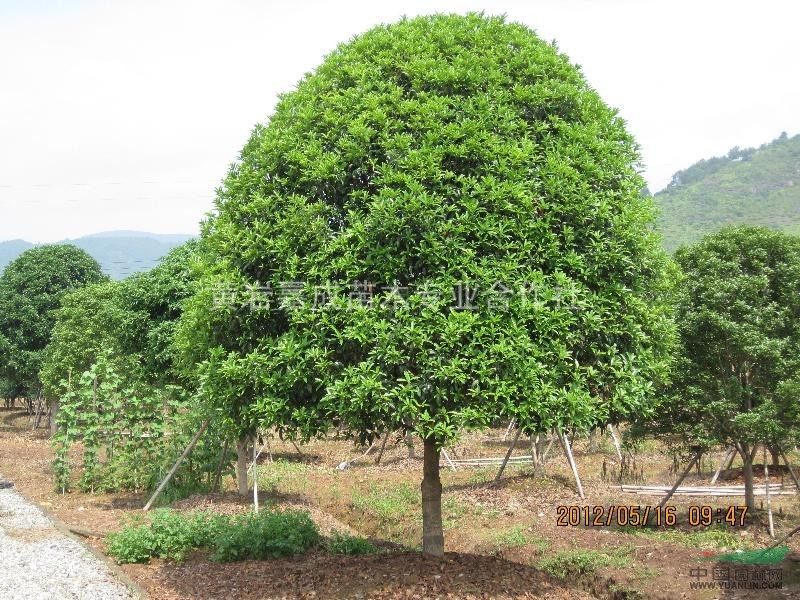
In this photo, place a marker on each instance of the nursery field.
(501, 541)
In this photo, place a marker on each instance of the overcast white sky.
(125, 115)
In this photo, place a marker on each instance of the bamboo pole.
(783, 539)
(447, 459)
(174, 468)
(789, 468)
(508, 455)
(766, 493)
(722, 464)
(616, 442)
(508, 430)
(255, 478)
(666, 498)
(568, 452)
(548, 448)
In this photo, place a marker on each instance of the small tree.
(31, 288)
(736, 381)
(437, 157)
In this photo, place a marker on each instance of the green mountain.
(758, 186)
(120, 253)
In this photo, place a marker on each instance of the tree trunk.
(410, 444)
(241, 465)
(776, 457)
(432, 534)
(593, 445)
(747, 473)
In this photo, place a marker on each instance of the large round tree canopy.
(463, 217)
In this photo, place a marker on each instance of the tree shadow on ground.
(507, 481)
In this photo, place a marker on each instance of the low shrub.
(165, 534)
(268, 534)
(172, 535)
(348, 544)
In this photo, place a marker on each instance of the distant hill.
(11, 250)
(759, 186)
(120, 253)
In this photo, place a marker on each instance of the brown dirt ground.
(483, 523)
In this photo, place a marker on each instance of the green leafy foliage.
(437, 156)
(111, 367)
(31, 289)
(165, 534)
(736, 381)
(747, 186)
(268, 534)
(432, 152)
(168, 534)
(339, 543)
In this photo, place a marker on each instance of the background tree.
(111, 360)
(31, 288)
(439, 156)
(736, 380)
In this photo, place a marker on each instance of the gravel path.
(38, 561)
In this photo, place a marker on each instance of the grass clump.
(453, 510)
(513, 537)
(172, 535)
(572, 563)
(349, 544)
(644, 573)
(709, 537)
(389, 504)
(271, 475)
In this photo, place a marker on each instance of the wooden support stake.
(666, 498)
(508, 455)
(447, 459)
(783, 539)
(789, 468)
(766, 493)
(548, 448)
(722, 464)
(255, 477)
(508, 430)
(731, 459)
(616, 441)
(568, 451)
(534, 454)
(174, 468)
